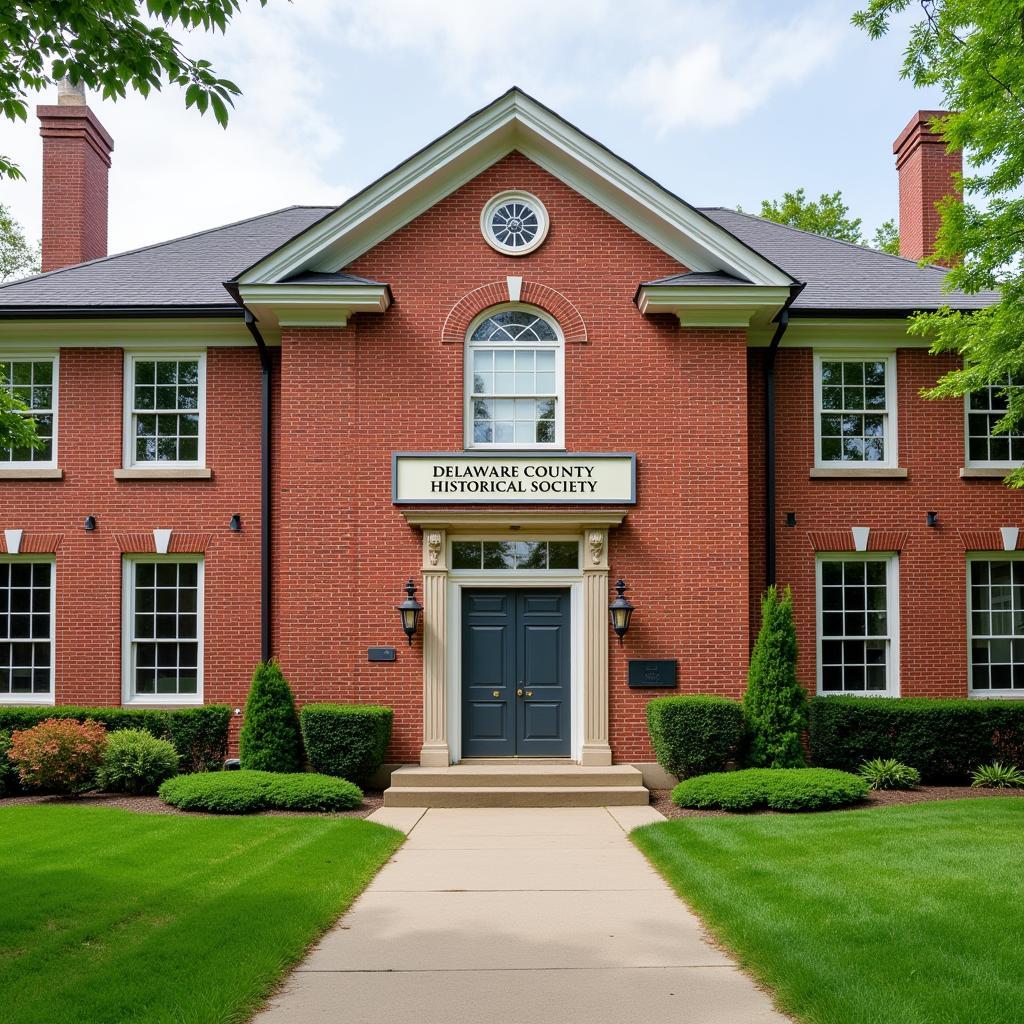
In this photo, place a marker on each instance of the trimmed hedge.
(200, 734)
(346, 740)
(778, 789)
(245, 792)
(8, 773)
(694, 735)
(945, 740)
(136, 761)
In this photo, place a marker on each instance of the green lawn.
(109, 917)
(900, 915)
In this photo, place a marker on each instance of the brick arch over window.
(475, 302)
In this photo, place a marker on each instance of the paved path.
(525, 915)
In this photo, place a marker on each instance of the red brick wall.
(933, 655)
(350, 397)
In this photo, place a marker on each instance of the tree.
(108, 46)
(18, 257)
(973, 50)
(775, 704)
(270, 740)
(887, 238)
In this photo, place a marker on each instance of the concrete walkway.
(525, 915)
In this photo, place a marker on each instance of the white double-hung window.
(165, 410)
(32, 380)
(995, 624)
(858, 623)
(855, 411)
(27, 601)
(514, 381)
(987, 447)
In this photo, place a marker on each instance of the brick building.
(514, 370)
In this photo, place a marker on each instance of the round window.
(514, 222)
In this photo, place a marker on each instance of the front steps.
(517, 784)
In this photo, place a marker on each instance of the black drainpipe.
(265, 535)
(769, 437)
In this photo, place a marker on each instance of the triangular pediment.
(514, 122)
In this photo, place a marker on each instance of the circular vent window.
(514, 222)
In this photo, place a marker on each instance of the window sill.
(166, 705)
(995, 696)
(842, 473)
(30, 473)
(184, 473)
(985, 472)
(43, 701)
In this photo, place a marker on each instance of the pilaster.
(596, 748)
(435, 752)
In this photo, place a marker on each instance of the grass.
(907, 914)
(108, 916)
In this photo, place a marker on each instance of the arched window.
(514, 380)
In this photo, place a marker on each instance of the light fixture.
(90, 524)
(235, 526)
(791, 519)
(621, 610)
(409, 610)
(932, 518)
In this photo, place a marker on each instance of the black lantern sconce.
(235, 526)
(621, 610)
(410, 610)
(90, 524)
(932, 519)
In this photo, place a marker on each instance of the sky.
(725, 102)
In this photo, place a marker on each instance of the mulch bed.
(661, 800)
(372, 799)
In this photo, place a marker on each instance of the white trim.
(128, 460)
(558, 347)
(38, 698)
(892, 602)
(714, 305)
(137, 334)
(40, 356)
(128, 564)
(984, 556)
(511, 196)
(515, 122)
(891, 411)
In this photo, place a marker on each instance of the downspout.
(265, 511)
(769, 436)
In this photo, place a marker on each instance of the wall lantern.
(89, 524)
(932, 518)
(621, 610)
(235, 526)
(410, 610)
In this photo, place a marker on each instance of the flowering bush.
(59, 755)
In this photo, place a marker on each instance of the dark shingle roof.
(842, 276)
(188, 271)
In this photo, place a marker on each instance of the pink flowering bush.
(59, 755)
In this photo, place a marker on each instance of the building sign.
(439, 478)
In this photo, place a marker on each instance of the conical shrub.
(775, 705)
(270, 740)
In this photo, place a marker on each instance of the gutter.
(266, 367)
(769, 436)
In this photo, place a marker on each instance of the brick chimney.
(926, 176)
(76, 162)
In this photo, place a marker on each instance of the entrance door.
(515, 673)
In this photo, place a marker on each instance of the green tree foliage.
(887, 238)
(18, 257)
(973, 50)
(109, 46)
(270, 739)
(775, 704)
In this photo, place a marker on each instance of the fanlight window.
(515, 383)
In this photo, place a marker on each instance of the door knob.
(495, 693)
(529, 693)
(519, 693)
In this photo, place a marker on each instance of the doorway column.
(435, 752)
(596, 749)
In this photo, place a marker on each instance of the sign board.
(489, 478)
(652, 673)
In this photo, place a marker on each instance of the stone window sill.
(139, 473)
(841, 473)
(30, 473)
(985, 472)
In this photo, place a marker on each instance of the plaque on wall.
(652, 673)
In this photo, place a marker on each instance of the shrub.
(887, 773)
(200, 734)
(136, 762)
(8, 773)
(59, 755)
(944, 739)
(246, 791)
(997, 776)
(270, 739)
(694, 735)
(775, 704)
(346, 740)
(779, 789)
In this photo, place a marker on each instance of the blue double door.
(515, 672)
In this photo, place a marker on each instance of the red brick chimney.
(926, 176)
(76, 161)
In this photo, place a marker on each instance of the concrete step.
(516, 796)
(517, 776)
